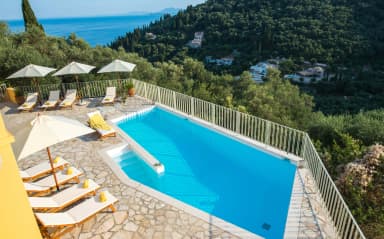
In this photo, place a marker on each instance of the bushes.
(367, 126)
(363, 188)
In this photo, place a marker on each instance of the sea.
(94, 30)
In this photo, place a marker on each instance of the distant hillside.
(331, 31)
(169, 10)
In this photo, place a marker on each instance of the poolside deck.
(140, 215)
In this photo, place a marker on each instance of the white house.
(150, 36)
(197, 40)
(260, 70)
(199, 36)
(309, 75)
(195, 43)
(224, 61)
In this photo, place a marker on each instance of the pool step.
(136, 168)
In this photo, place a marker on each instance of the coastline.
(95, 30)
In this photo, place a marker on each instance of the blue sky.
(11, 9)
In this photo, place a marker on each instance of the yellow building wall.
(16, 216)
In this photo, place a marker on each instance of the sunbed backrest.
(54, 95)
(111, 91)
(32, 97)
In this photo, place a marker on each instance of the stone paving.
(139, 215)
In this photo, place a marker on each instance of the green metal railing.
(281, 137)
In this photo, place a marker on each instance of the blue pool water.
(212, 172)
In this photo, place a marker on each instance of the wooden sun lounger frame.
(78, 198)
(53, 187)
(65, 228)
(28, 100)
(54, 101)
(102, 136)
(43, 173)
(64, 106)
(108, 95)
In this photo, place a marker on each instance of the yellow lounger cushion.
(97, 122)
(47, 103)
(103, 197)
(86, 183)
(57, 159)
(25, 105)
(69, 171)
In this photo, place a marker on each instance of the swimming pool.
(212, 172)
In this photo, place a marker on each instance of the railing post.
(267, 132)
(158, 95)
(304, 146)
(90, 95)
(192, 106)
(145, 91)
(174, 99)
(237, 121)
(213, 112)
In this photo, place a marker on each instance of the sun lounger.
(41, 169)
(69, 100)
(64, 198)
(109, 96)
(53, 100)
(54, 225)
(97, 122)
(29, 103)
(46, 184)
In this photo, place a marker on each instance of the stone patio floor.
(139, 215)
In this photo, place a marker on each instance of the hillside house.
(309, 75)
(150, 36)
(224, 61)
(260, 70)
(197, 40)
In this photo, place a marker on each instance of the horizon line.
(135, 13)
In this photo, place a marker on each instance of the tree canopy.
(346, 35)
(330, 31)
(29, 16)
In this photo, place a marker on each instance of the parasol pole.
(79, 91)
(53, 168)
(119, 82)
(78, 87)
